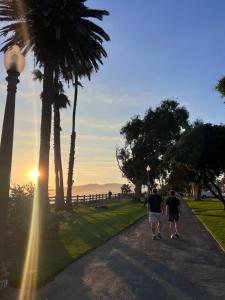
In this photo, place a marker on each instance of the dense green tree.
(202, 151)
(147, 140)
(182, 178)
(63, 38)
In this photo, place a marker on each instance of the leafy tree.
(63, 39)
(220, 87)
(202, 151)
(147, 140)
(125, 189)
(183, 178)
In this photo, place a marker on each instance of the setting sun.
(35, 174)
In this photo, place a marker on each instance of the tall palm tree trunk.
(61, 183)
(46, 118)
(56, 138)
(69, 205)
(59, 186)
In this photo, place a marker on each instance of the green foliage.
(181, 177)
(20, 208)
(202, 151)
(147, 140)
(220, 87)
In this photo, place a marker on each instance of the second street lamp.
(14, 63)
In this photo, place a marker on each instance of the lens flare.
(30, 271)
(35, 174)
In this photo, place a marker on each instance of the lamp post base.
(4, 274)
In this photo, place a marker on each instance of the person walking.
(154, 213)
(173, 211)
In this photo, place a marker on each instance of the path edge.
(208, 230)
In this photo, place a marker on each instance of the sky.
(158, 49)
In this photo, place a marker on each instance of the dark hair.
(172, 193)
(155, 191)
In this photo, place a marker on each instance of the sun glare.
(35, 174)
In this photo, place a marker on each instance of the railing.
(96, 199)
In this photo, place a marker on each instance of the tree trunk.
(219, 194)
(199, 191)
(56, 154)
(69, 205)
(45, 140)
(137, 190)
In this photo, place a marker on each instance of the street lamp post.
(14, 63)
(148, 169)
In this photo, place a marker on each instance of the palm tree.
(60, 101)
(62, 37)
(72, 150)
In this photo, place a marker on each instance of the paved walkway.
(132, 266)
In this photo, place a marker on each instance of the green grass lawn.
(77, 234)
(212, 215)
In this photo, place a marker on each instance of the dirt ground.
(133, 266)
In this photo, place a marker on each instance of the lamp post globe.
(14, 63)
(14, 60)
(148, 168)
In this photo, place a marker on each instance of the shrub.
(20, 208)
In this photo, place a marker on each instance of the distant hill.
(93, 188)
(89, 189)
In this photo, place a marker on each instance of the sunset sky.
(159, 49)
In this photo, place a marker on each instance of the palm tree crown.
(55, 27)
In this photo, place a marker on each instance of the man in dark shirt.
(154, 212)
(173, 211)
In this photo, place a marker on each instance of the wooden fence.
(96, 199)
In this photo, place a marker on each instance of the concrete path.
(133, 266)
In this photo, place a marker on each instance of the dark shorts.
(173, 217)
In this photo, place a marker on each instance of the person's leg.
(153, 221)
(171, 228)
(177, 235)
(176, 227)
(153, 228)
(159, 226)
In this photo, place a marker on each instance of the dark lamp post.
(148, 169)
(14, 63)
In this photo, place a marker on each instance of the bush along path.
(133, 266)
